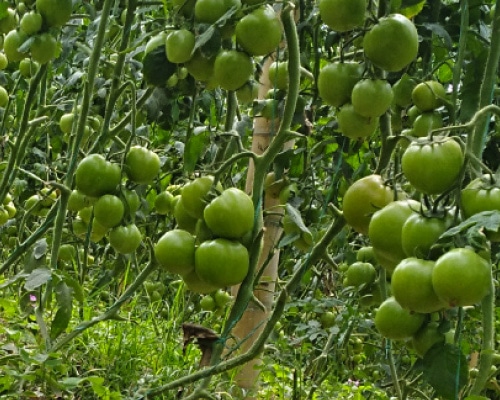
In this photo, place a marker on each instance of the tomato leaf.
(195, 146)
(439, 31)
(296, 218)
(61, 320)
(410, 10)
(489, 220)
(445, 369)
(37, 278)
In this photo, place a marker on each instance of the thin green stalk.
(10, 172)
(114, 93)
(394, 372)
(488, 345)
(462, 45)
(476, 142)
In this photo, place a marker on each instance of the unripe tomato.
(343, 15)
(336, 81)
(278, 74)
(31, 23)
(142, 165)
(402, 90)
(12, 41)
(461, 277)
(426, 122)
(207, 303)
(78, 201)
(221, 262)
(95, 176)
(194, 195)
(392, 43)
(209, 11)
(125, 239)
(428, 95)
(426, 337)
(396, 323)
(354, 125)
(222, 298)
(265, 21)
(360, 273)
(420, 232)
(55, 13)
(3, 61)
(183, 218)
(66, 122)
(371, 97)
(164, 203)
(385, 231)
(44, 48)
(9, 21)
(327, 319)
(230, 215)
(175, 252)
(411, 285)
(4, 97)
(232, 69)
(363, 198)
(432, 166)
(195, 284)
(109, 210)
(179, 45)
(201, 67)
(67, 252)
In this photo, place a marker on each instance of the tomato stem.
(488, 345)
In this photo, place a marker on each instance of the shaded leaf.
(195, 146)
(439, 30)
(413, 8)
(37, 278)
(489, 220)
(64, 300)
(296, 218)
(445, 369)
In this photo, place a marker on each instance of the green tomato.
(44, 48)
(175, 252)
(232, 69)
(221, 262)
(125, 239)
(109, 210)
(12, 41)
(396, 323)
(194, 195)
(164, 203)
(336, 81)
(385, 231)
(78, 201)
(461, 277)
(95, 176)
(142, 165)
(31, 23)
(179, 46)
(411, 285)
(55, 13)
(432, 166)
(230, 215)
(265, 21)
(420, 232)
(343, 15)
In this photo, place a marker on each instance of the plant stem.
(488, 345)
(16, 155)
(477, 140)
(462, 45)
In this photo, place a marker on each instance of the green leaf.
(410, 8)
(439, 31)
(489, 220)
(64, 300)
(295, 216)
(35, 257)
(37, 278)
(445, 369)
(195, 146)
